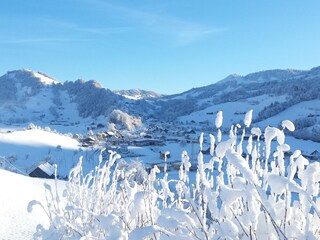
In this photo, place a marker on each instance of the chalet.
(315, 155)
(147, 136)
(114, 139)
(110, 133)
(100, 125)
(190, 131)
(163, 138)
(205, 123)
(164, 154)
(101, 136)
(89, 141)
(44, 170)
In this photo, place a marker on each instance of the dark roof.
(40, 174)
(44, 170)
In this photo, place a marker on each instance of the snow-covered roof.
(47, 168)
(110, 133)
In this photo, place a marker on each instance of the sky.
(165, 46)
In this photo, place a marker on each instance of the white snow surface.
(29, 148)
(44, 79)
(299, 110)
(38, 138)
(16, 193)
(233, 112)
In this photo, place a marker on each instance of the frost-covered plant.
(241, 192)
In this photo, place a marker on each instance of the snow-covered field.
(233, 111)
(24, 149)
(264, 189)
(16, 193)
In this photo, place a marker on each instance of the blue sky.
(165, 46)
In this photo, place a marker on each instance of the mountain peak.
(231, 77)
(25, 74)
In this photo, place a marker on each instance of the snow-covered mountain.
(273, 95)
(138, 94)
(27, 96)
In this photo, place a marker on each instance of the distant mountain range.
(274, 95)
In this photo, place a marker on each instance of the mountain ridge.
(27, 96)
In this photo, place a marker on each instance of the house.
(44, 170)
(190, 131)
(315, 155)
(89, 141)
(101, 136)
(147, 136)
(164, 155)
(109, 133)
(162, 138)
(100, 125)
(205, 123)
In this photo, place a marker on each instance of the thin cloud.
(76, 27)
(66, 29)
(104, 31)
(179, 31)
(37, 40)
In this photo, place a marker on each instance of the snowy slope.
(24, 150)
(299, 110)
(44, 78)
(233, 112)
(39, 138)
(16, 193)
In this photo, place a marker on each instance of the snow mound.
(16, 193)
(38, 138)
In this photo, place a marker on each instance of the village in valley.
(159, 120)
(159, 143)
